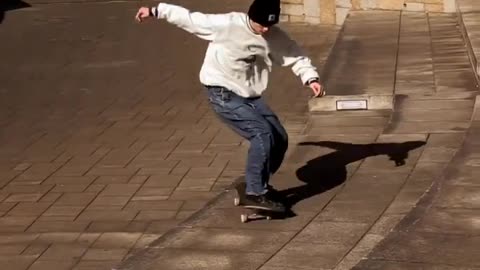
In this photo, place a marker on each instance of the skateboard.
(252, 213)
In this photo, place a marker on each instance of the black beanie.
(265, 12)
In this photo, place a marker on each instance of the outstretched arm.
(205, 26)
(286, 52)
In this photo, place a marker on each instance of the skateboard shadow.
(6, 5)
(328, 171)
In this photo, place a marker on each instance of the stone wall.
(335, 11)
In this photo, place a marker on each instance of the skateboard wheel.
(243, 218)
(236, 201)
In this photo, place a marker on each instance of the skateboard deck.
(252, 213)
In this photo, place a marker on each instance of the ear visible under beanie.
(265, 12)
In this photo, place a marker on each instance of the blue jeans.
(252, 119)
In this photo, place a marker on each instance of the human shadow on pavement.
(329, 171)
(6, 5)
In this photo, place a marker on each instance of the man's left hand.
(317, 89)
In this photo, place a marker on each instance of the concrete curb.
(351, 102)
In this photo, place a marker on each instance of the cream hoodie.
(237, 58)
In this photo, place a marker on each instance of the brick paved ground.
(106, 139)
(107, 143)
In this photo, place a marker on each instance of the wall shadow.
(6, 5)
(328, 171)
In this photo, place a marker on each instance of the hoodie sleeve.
(205, 26)
(286, 52)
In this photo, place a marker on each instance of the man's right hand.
(143, 13)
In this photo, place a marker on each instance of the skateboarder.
(241, 50)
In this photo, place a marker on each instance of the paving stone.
(107, 215)
(186, 259)
(112, 171)
(63, 252)
(70, 188)
(23, 197)
(285, 268)
(459, 196)
(29, 209)
(392, 265)
(144, 215)
(184, 214)
(36, 249)
(192, 195)
(63, 211)
(445, 140)
(16, 249)
(5, 207)
(464, 177)
(112, 179)
(15, 223)
(69, 180)
(431, 127)
(40, 226)
(431, 248)
(116, 240)
(39, 171)
(55, 237)
(60, 265)
(351, 211)
(427, 170)
(161, 226)
(120, 190)
(163, 180)
(452, 221)
(361, 250)
(194, 204)
(117, 226)
(15, 238)
(230, 240)
(105, 254)
(75, 199)
(154, 205)
(152, 193)
(422, 115)
(95, 265)
(437, 104)
(18, 262)
(304, 255)
(320, 232)
(437, 154)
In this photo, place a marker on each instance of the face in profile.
(258, 28)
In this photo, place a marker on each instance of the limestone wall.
(335, 11)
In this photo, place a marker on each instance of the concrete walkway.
(442, 231)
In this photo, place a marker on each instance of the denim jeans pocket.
(223, 100)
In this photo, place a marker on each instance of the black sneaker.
(274, 194)
(264, 203)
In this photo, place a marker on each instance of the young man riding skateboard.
(242, 48)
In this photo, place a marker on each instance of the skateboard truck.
(253, 213)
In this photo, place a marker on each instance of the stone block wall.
(335, 11)
(410, 5)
